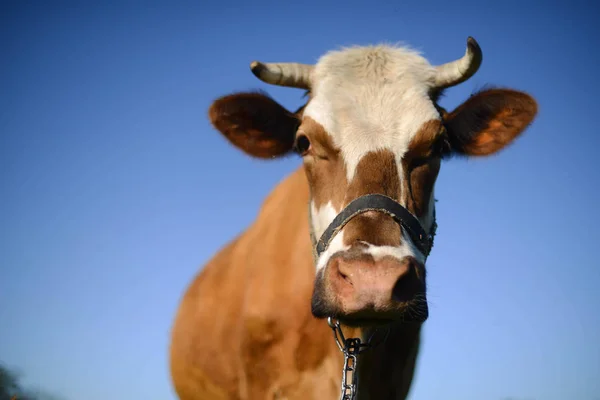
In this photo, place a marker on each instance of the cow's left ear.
(489, 121)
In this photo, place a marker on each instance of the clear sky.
(115, 189)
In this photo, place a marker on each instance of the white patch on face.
(371, 98)
(336, 245)
(406, 248)
(321, 218)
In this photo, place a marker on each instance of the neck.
(386, 371)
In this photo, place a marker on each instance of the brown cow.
(251, 325)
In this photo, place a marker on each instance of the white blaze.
(371, 98)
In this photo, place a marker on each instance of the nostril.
(345, 277)
(342, 274)
(408, 284)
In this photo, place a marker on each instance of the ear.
(489, 121)
(255, 124)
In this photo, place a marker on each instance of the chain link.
(350, 362)
(351, 348)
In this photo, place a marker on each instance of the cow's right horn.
(294, 75)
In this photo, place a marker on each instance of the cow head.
(372, 125)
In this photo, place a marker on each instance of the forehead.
(371, 98)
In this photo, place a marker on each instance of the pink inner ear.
(489, 121)
(254, 123)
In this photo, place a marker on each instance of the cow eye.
(302, 144)
(440, 147)
(437, 149)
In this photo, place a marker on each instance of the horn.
(294, 75)
(458, 71)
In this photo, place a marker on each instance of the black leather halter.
(386, 205)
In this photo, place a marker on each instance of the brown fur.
(263, 341)
(421, 166)
(387, 371)
(375, 173)
(324, 166)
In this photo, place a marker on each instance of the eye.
(302, 144)
(438, 147)
(441, 147)
(437, 150)
(418, 161)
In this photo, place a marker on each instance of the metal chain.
(350, 362)
(351, 348)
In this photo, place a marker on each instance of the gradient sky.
(116, 190)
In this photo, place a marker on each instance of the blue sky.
(115, 189)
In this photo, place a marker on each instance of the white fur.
(367, 99)
(336, 245)
(406, 248)
(321, 218)
(371, 98)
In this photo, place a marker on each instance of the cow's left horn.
(283, 74)
(460, 70)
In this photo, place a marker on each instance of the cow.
(253, 324)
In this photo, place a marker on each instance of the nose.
(362, 283)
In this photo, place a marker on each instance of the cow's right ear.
(255, 123)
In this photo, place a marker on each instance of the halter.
(386, 205)
(352, 347)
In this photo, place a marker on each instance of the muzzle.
(386, 205)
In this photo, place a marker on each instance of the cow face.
(372, 126)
